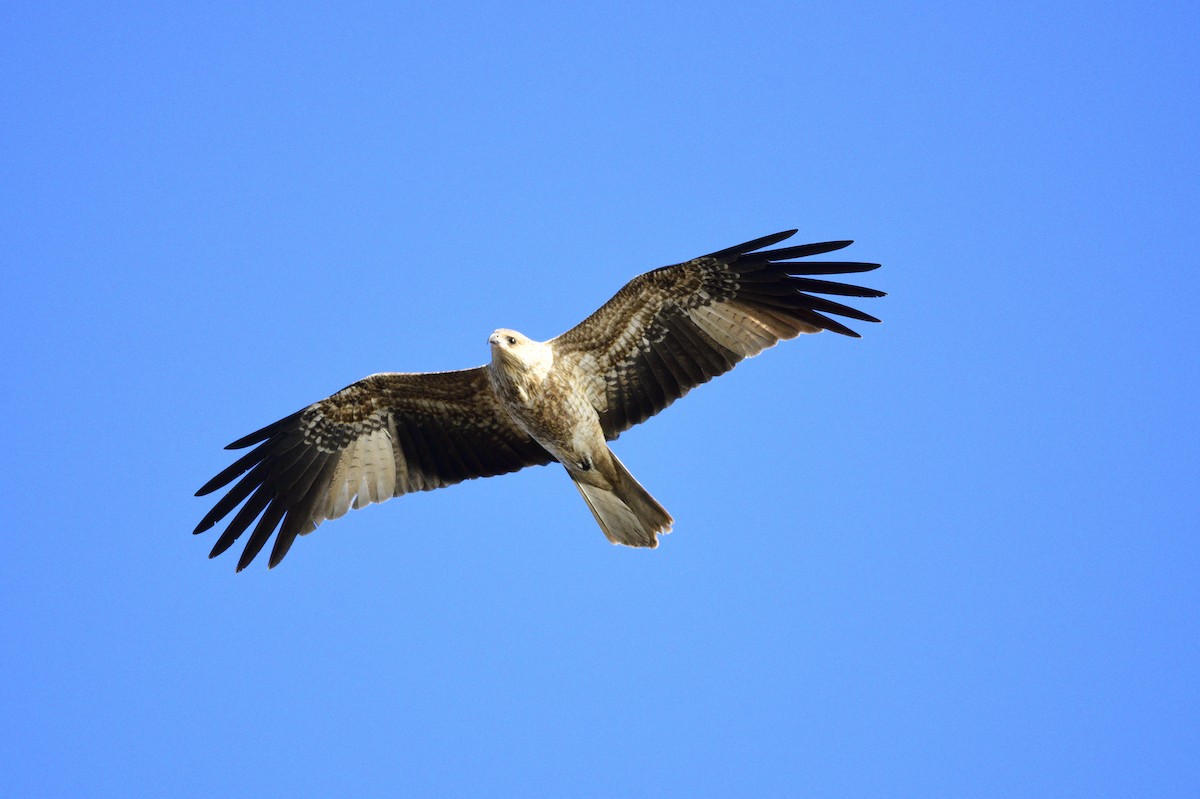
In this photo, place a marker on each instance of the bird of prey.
(535, 402)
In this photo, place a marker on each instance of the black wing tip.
(840, 329)
(246, 441)
(263, 433)
(837, 327)
(861, 292)
(241, 567)
(813, 268)
(750, 246)
(799, 251)
(253, 438)
(767, 241)
(834, 326)
(837, 244)
(248, 556)
(242, 563)
(222, 544)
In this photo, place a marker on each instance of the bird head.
(516, 351)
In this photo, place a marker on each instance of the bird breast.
(551, 408)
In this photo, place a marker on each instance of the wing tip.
(752, 245)
(263, 433)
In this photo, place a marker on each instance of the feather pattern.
(669, 330)
(666, 332)
(384, 436)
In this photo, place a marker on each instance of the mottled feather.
(382, 437)
(669, 330)
(664, 333)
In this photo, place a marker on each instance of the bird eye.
(511, 341)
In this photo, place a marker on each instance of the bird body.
(553, 407)
(534, 402)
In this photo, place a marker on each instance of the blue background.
(956, 557)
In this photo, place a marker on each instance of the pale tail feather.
(626, 513)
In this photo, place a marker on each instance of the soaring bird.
(662, 334)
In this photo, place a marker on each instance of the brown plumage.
(664, 333)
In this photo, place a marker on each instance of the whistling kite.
(560, 400)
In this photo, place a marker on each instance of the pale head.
(514, 349)
(505, 338)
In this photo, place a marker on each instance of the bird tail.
(625, 511)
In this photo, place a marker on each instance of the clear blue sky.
(958, 557)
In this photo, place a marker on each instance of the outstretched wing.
(386, 435)
(674, 328)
